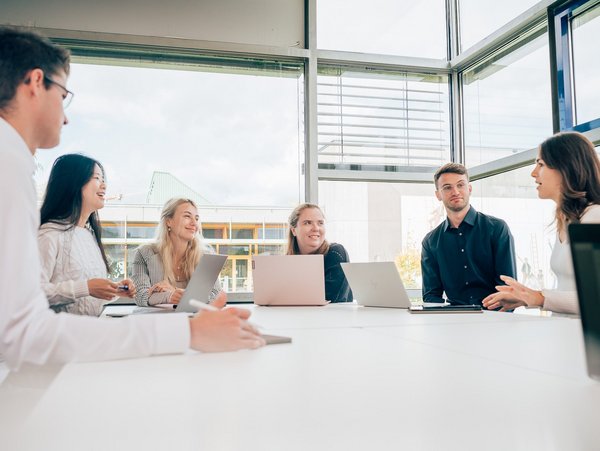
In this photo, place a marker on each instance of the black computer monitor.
(585, 249)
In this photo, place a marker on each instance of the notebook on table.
(288, 280)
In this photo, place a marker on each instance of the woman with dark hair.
(306, 235)
(74, 264)
(567, 171)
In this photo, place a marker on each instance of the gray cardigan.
(148, 270)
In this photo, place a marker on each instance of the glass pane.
(242, 282)
(507, 103)
(141, 230)
(586, 65)
(162, 132)
(216, 234)
(116, 260)
(228, 137)
(530, 223)
(112, 229)
(382, 221)
(273, 233)
(272, 250)
(395, 27)
(382, 121)
(242, 234)
(479, 19)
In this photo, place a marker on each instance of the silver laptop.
(199, 287)
(376, 284)
(288, 280)
(202, 282)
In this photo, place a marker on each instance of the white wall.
(261, 22)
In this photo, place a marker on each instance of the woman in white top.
(74, 264)
(162, 270)
(567, 170)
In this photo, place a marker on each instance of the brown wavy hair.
(574, 156)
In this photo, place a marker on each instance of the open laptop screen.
(585, 249)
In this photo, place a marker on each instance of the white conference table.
(353, 378)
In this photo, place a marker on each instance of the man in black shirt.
(466, 254)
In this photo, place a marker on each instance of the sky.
(232, 138)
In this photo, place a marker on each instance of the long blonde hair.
(164, 243)
(292, 242)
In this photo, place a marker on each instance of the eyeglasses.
(449, 188)
(68, 94)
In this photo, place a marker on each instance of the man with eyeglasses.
(33, 95)
(466, 254)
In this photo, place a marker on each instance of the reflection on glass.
(586, 65)
(507, 103)
(115, 253)
(395, 27)
(512, 196)
(382, 221)
(381, 121)
(111, 229)
(479, 19)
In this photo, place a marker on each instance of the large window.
(382, 221)
(512, 196)
(507, 103)
(382, 121)
(586, 65)
(479, 19)
(395, 27)
(224, 133)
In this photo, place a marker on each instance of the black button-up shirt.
(466, 262)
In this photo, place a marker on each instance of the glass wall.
(395, 27)
(382, 221)
(512, 196)
(507, 103)
(382, 121)
(479, 19)
(222, 135)
(586, 65)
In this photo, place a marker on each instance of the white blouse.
(69, 258)
(563, 299)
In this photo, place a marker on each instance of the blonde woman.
(162, 270)
(306, 235)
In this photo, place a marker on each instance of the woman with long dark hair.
(306, 235)
(567, 171)
(74, 264)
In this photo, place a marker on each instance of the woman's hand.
(161, 286)
(513, 295)
(175, 296)
(130, 291)
(103, 289)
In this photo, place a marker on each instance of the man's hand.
(224, 330)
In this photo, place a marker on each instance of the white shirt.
(564, 298)
(29, 330)
(70, 256)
